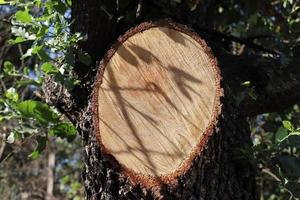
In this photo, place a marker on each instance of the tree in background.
(59, 44)
(22, 177)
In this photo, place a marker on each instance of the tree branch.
(246, 41)
(276, 87)
(2, 147)
(58, 96)
(281, 91)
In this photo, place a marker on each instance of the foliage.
(44, 27)
(38, 43)
(275, 25)
(277, 154)
(28, 179)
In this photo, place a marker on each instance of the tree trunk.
(218, 172)
(50, 174)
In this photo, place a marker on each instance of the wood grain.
(156, 100)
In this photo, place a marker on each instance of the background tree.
(257, 47)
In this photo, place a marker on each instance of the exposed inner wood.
(156, 100)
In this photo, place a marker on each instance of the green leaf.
(5, 117)
(290, 165)
(38, 3)
(59, 7)
(40, 111)
(49, 6)
(28, 82)
(253, 19)
(84, 57)
(58, 28)
(39, 50)
(64, 130)
(56, 5)
(280, 134)
(34, 155)
(288, 125)
(292, 140)
(295, 9)
(42, 31)
(70, 58)
(246, 83)
(12, 94)
(70, 83)
(24, 16)
(17, 40)
(48, 68)
(69, 3)
(42, 143)
(3, 2)
(8, 67)
(65, 179)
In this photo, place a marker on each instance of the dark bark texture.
(219, 173)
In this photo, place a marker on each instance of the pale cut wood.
(156, 101)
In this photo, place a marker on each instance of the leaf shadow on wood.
(127, 56)
(173, 35)
(131, 55)
(129, 121)
(180, 77)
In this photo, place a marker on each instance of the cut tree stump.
(156, 102)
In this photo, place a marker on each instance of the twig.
(261, 36)
(271, 174)
(2, 147)
(139, 9)
(21, 55)
(3, 85)
(246, 41)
